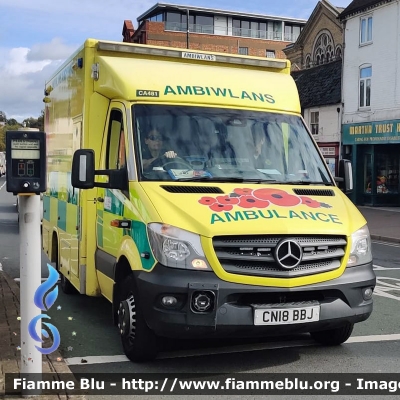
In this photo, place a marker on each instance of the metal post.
(30, 280)
(187, 28)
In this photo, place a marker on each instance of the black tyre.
(138, 340)
(333, 337)
(66, 285)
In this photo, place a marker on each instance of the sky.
(36, 36)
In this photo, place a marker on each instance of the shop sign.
(376, 132)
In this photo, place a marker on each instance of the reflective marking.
(1, 187)
(229, 349)
(386, 243)
(82, 168)
(374, 338)
(387, 287)
(380, 268)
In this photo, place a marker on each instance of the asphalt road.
(89, 341)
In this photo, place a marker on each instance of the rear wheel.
(138, 340)
(333, 337)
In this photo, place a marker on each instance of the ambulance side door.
(110, 202)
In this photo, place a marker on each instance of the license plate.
(286, 315)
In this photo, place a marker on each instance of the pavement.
(384, 225)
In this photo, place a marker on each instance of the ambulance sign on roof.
(199, 56)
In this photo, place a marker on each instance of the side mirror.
(345, 179)
(82, 176)
(83, 173)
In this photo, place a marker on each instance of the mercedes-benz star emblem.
(288, 254)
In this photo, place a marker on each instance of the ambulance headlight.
(360, 248)
(177, 248)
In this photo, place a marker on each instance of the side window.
(121, 150)
(116, 155)
(314, 122)
(366, 30)
(365, 86)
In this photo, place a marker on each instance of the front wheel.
(138, 340)
(333, 337)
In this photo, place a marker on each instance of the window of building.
(247, 28)
(277, 30)
(323, 48)
(175, 21)
(201, 23)
(262, 29)
(308, 61)
(244, 51)
(365, 86)
(314, 123)
(338, 53)
(292, 32)
(156, 18)
(197, 23)
(270, 53)
(366, 30)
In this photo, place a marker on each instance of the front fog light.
(367, 293)
(169, 301)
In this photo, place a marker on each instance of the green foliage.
(3, 130)
(13, 125)
(12, 122)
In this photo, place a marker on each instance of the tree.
(3, 117)
(3, 130)
(40, 121)
(12, 122)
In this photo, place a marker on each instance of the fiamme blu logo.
(45, 296)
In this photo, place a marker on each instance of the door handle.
(100, 199)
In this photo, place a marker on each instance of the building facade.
(371, 97)
(207, 29)
(316, 59)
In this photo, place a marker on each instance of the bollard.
(30, 280)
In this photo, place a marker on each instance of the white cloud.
(55, 50)
(22, 83)
(16, 63)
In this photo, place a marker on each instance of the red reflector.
(115, 222)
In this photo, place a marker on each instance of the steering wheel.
(163, 161)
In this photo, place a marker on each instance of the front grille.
(191, 189)
(314, 192)
(255, 255)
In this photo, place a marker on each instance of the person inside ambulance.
(259, 158)
(154, 149)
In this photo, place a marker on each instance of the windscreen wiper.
(306, 183)
(222, 179)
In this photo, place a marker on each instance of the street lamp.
(187, 28)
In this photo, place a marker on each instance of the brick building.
(316, 59)
(214, 30)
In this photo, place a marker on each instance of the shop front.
(374, 149)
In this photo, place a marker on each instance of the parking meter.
(26, 162)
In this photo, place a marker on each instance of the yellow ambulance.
(185, 187)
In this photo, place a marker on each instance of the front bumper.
(340, 300)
